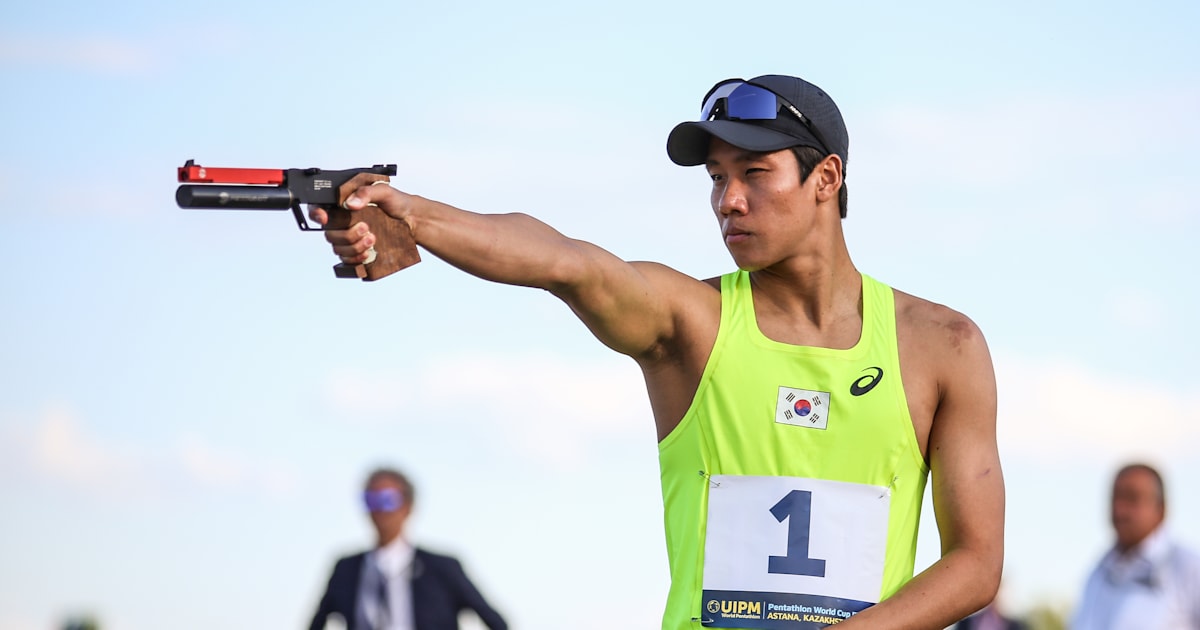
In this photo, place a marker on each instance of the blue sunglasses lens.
(386, 500)
(741, 101)
(737, 100)
(752, 103)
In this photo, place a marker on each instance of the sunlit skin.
(389, 525)
(807, 291)
(767, 217)
(788, 234)
(1137, 507)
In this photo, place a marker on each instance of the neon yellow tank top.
(792, 486)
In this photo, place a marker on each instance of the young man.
(812, 400)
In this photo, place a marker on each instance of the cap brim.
(687, 145)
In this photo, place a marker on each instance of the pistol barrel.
(234, 197)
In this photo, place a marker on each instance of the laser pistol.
(282, 189)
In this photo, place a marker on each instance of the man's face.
(1137, 507)
(763, 210)
(388, 507)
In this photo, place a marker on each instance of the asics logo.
(867, 382)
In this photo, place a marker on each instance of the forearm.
(518, 249)
(508, 248)
(960, 583)
(967, 481)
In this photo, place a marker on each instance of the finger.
(360, 252)
(348, 236)
(351, 243)
(318, 215)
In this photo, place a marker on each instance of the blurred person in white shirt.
(1147, 581)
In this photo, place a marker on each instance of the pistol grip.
(395, 248)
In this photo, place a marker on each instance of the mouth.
(735, 235)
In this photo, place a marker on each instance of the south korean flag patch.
(802, 408)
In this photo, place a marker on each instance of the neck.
(816, 278)
(1127, 548)
(385, 539)
(814, 299)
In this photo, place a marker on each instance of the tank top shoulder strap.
(737, 302)
(879, 314)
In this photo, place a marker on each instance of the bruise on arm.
(968, 484)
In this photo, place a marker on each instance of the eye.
(716, 177)
(753, 170)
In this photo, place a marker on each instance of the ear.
(829, 178)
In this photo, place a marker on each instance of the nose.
(729, 198)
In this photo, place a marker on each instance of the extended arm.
(968, 488)
(628, 306)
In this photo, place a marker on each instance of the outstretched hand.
(353, 245)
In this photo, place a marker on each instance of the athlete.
(800, 404)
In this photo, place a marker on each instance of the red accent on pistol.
(191, 172)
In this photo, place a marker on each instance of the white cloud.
(1060, 409)
(1176, 201)
(56, 445)
(550, 407)
(1036, 135)
(1138, 308)
(100, 54)
(22, 620)
(366, 397)
(553, 407)
(218, 468)
(61, 448)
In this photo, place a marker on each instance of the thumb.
(361, 192)
(368, 195)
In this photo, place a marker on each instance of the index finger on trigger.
(318, 214)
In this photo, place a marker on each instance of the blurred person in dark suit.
(397, 586)
(991, 618)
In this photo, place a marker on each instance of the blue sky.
(191, 398)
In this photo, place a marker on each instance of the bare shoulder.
(693, 307)
(937, 327)
(675, 285)
(661, 272)
(947, 372)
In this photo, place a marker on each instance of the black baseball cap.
(738, 112)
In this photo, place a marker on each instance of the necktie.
(381, 596)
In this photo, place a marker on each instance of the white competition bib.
(791, 553)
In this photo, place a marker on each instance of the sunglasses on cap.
(735, 99)
(384, 500)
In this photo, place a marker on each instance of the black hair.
(406, 487)
(1162, 490)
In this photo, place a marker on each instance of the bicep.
(632, 307)
(968, 485)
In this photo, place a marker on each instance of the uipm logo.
(736, 608)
